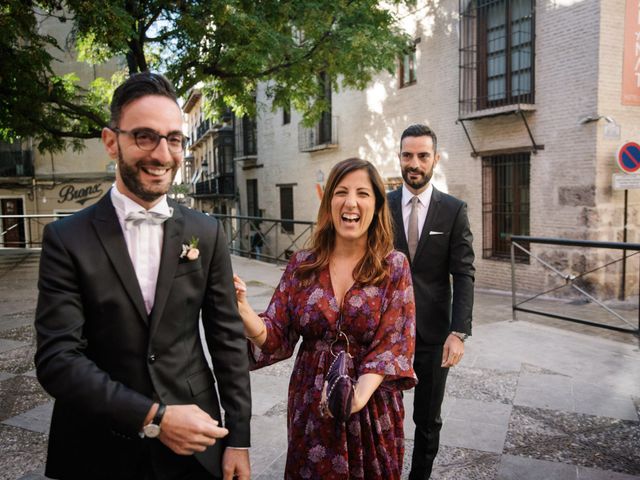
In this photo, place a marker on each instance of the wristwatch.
(152, 430)
(460, 335)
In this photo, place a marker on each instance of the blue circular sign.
(629, 157)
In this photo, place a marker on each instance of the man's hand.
(452, 352)
(187, 429)
(235, 464)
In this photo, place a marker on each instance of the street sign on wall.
(628, 157)
(622, 181)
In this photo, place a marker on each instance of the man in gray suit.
(122, 286)
(432, 229)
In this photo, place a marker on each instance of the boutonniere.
(190, 250)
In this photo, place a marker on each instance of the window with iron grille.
(286, 208)
(505, 203)
(496, 53)
(407, 70)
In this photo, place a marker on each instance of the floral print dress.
(380, 324)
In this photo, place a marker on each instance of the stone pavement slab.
(269, 390)
(36, 420)
(522, 468)
(268, 443)
(6, 345)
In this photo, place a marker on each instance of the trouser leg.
(427, 404)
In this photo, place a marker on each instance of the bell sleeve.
(282, 335)
(393, 346)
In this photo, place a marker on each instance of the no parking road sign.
(628, 157)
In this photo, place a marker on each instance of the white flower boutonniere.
(190, 250)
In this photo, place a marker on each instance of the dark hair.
(419, 130)
(371, 269)
(136, 86)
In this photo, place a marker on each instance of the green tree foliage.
(228, 46)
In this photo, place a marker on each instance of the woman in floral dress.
(352, 278)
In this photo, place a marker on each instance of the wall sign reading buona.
(70, 193)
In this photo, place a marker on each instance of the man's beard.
(129, 176)
(416, 184)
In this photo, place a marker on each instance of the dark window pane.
(252, 198)
(286, 208)
(286, 115)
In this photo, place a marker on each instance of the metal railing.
(265, 238)
(24, 231)
(220, 186)
(572, 279)
(322, 135)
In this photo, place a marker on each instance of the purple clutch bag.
(339, 386)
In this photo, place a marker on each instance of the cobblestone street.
(533, 399)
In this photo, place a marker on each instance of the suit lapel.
(432, 217)
(171, 249)
(110, 234)
(395, 205)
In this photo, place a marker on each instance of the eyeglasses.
(148, 140)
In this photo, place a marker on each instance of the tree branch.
(212, 70)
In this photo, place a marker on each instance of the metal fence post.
(513, 282)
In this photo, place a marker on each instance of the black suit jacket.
(105, 360)
(445, 249)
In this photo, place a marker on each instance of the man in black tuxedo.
(432, 230)
(122, 286)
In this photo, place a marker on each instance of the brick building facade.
(525, 96)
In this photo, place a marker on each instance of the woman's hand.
(241, 289)
(367, 384)
(254, 328)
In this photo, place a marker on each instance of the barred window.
(496, 53)
(505, 203)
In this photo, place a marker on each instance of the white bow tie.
(145, 216)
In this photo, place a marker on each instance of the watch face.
(152, 430)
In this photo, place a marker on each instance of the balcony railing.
(223, 186)
(321, 136)
(202, 129)
(16, 164)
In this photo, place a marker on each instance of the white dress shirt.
(424, 199)
(144, 242)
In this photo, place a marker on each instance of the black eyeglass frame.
(134, 133)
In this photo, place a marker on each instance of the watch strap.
(460, 335)
(159, 414)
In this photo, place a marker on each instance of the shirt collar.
(125, 205)
(424, 197)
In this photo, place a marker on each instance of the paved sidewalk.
(532, 399)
